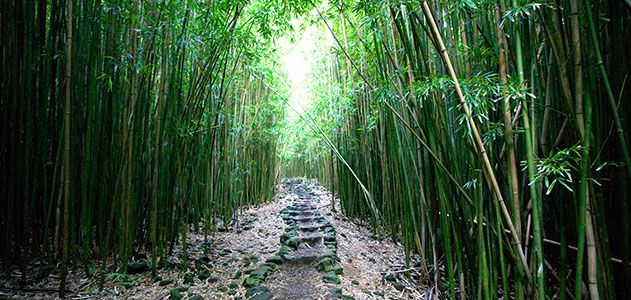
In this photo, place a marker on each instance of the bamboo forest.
(315, 149)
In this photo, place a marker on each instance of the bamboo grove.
(124, 122)
(489, 137)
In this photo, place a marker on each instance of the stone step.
(310, 240)
(311, 227)
(306, 219)
(306, 254)
(304, 213)
(302, 207)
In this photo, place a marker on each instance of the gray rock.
(195, 297)
(331, 277)
(138, 267)
(276, 259)
(203, 275)
(258, 293)
(177, 293)
(188, 278)
(252, 281)
(165, 282)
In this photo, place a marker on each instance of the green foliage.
(388, 101)
(558, 168)
(123, 279)
(179, 117)
(524, 11)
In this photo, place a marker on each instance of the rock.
(262, 271)
(276, 259)
(138, 267)
(328, 253)
(328, 263)
(285, 237)
(284, 250)
(165, 282)
(335, 269)
(331, 277)
(292, 243)
(177, 293)
(203, 275)
(195, 297)
(188, 278)
(258, 293)
(271, 265)
(251, 281)
(336, 292)
(204, 260)
(331, 245)
(324, 263)
(202, 263)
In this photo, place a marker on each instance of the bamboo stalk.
(66, 155)
(476, 136)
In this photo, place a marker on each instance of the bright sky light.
(298, 59)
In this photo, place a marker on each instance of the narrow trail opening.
(470, 149)
(307, 265)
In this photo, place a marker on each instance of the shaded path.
(306, 265)
(290, 242)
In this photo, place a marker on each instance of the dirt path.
(294, 247)
(308, 266)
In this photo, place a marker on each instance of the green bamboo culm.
(397, 70)
(128, 128)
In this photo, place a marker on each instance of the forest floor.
(294, 247)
